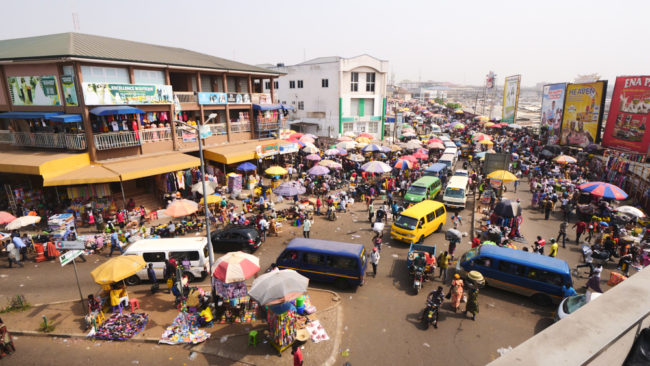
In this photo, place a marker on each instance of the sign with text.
(552, 110)
(120, 94)
(68, 257)
(583, 113)
(34, 90)
(70, 244)
(267, 150)
(510, 99)
(239, 98)
(628, 116)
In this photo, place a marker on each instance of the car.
(236, 238)
(573, 303)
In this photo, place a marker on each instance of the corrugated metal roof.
(105, 48)
(321, 60)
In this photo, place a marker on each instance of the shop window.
(191, 255)
(154, 257)
(276, 84)
(156, 77)
(267, 85)
(348, 126)
(301, 105)
(354, 81)
(373, 127)
(292, 84)
(101, 74)
(300, 84)
(370, 82)
(68, 70)
(325, 83)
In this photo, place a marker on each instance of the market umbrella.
(22, 222)
(386, 149)
(348, 145)
(6, 217)
(459, 111)
(376, 167)
(318, 170)
(118, 268)
(371, 148)
(367, 135)
(409, 134)
(459, 126)
(313, 157)
(420, 155)
(276, 170)
(332, 152)
(350, 134)
(289, 189)
(198, 188)
(307, 140)
(565, 159)
(454, 233)
(489, 124)
(431, 141)
(246, 167)
(507, 208)
(344, 138)
(410, 158)
(330, 164)
(300, 143)
(277, 287)
(486, 142)
(311, 135)
(481, 137)
(630, 210)
(502, 175)
(600, 189)
(180, 208)
(296, 135)
(360, 145)
(436, 145)
(212, 199)
(362, 140)
(342, 152)
(515, 126)
(412, 145)
(403, 164)
(357, 158)
(395, 148)
(310, 149)
(236, 267)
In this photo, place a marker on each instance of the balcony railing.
(186, 97)
(155, 135)
(50, 140)
(236, 127)
(117, 140)
(264, 126)
(218, 128)
(6, 137)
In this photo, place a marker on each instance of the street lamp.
(205, 199)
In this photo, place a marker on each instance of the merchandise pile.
(122, 326)
(184, 329)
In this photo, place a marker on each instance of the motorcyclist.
(434, 300)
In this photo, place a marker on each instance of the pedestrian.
(318, 204)
(306, 227)
(580, 226)
(374, 260)
(516, 185)
(151, 273)
(168, 275)
(91, 218)
(593, 283)
(297, 354)
(21, 247)
(472, 302)
(562, 233)
(589, 261)
(115, 244)
(548, 206)
(376, 241)
(539, 245)
(120, 219)
(443, 264)
(456, 220)
(371, 212)
(456, 292)
(13, 254)
(554, 247)
(264, 227)
(6, 341)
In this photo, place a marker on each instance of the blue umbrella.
(371, 148)
(245, 167)
(385, 149)
(602, 189)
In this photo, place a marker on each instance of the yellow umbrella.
(118, 268)
(483, 118)
(212, 199)
(276, 170)
(502, 175)
(486, 142)
(363, 140)
(489, 124)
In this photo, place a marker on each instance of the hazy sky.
(457, 41)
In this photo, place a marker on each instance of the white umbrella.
(347, 145)
(22, 222)
(277, 287)
(630, 210)
(356, 157)
(310, 149)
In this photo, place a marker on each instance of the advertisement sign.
(552, 110)
(68, 257)
(239, 98)
(583, 112)
(489, 80)
(69, 92)
(510, 99)
(289, 148)
(206, 98)
(261, 98)
(628, 115)
(34, 90)
(267, 150)
(70, 244)
(188, 136)
(119, 94)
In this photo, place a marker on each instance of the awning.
(29, 115)
(46, 164)
(84, 175)
(66, 118)
(115, 109)
(154, 165)
(236, 153)
(303, 123)
(271, 107)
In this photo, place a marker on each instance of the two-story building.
(79, 110)
(334, 95)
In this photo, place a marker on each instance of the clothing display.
(122, 326)
(184, 329)
(282, 329)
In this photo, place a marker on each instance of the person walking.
(264, 227)
(593, 282)
(13, 254)
(456, 292)
(554, 247)
(374, 260)
(456, 220)
(306, 227)
(562, 233)
(371, 212)
(580, 226)
(151, 273)
(20, 246)
(443, 264)
(319, 203)
(548, 206)
(472, 302)
(115, 244)
(516, 185)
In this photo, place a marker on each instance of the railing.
(75, 141)
(268, 126)
(236, 127)
(50, 140)
(6, 137)
(116, 140)
(218, 128)
(155, 135)
(186, 97)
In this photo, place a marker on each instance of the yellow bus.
(419, 221)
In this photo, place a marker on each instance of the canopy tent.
(29, 115)
(115, 109)
(66, 118)
(272, 107)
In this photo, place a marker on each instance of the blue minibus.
(436, 170)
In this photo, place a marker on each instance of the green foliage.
(46, 328)
(16, 303)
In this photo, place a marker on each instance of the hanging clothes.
(180, 179)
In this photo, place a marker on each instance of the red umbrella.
(365, 134)
(420, 155)
(6, 217)
(296, 135)
(236, 267)
(403, 164)
(410, 158)
(431, 141)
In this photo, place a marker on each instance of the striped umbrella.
(403, 164)
(371, 148)
(313, 157)
(376, 167)
(410, 158)
(236, 267)
(602, 189)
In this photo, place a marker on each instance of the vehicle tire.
(421, 240)
(541, 299)
(132, 281)
(341, 284)
(425, 322)
(417, 290)
(438, 228)
(190, 276)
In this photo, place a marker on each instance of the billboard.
(69, 92)
(583, 113)
(628, 116)
(510, 99)
(552, 110)
(118, 94)
(34, 90)
(489, 80)
(212, 98)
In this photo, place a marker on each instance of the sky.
(454, 41)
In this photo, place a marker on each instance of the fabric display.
(316, 331)
(234, 182)
(184, 330)
(122, 326)
(282, 328)
(244, 312)
(233, 290)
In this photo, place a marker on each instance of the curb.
(31, 333)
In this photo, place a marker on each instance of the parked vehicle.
(572, 303)
(234, 238)
(425, 188)
(419, 221)
(449, 160)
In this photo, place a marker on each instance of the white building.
(334, 95)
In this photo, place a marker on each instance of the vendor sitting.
(205, 318)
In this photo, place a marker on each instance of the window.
(301, 105)
(68, 70)
(267, 85)
(373, 127)
(191, 255)
(354, 81)
(431, 217)
(344, 262)
(313, 258)
(348, 126)
(299, 84)
(325, 83)
(155, 77)
(206, 83)
(292, 84)
(290, 255)
(485, 262)
(512, 268)
(276, 84)
(440, 211)
(370, 81)
(98, 74)
(154, 257)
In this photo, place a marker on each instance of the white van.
(456, 192)
(192, 251)
(449, 160)
(450, 150)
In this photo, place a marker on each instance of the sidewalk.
(227, 340)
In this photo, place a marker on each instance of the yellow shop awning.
(236, 153)
(84, 175)
(43, 163)
(154, 165)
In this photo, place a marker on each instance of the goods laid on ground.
(184, 329)
(244, 311)
(122, 326)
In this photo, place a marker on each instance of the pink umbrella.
(365, 134)
(410, 158)
(436, 145)
(296, 135)
(6, 217)
(420, 155)
(313, 157)
(180, 208)
(345, 138)
(236, 267)
(431, 141)
(307, 140)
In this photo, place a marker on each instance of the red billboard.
(628, 116)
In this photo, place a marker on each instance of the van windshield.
(455, 192)
(417, 190)
(406, 222)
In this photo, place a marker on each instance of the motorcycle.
(418, 279)
(331, 215)
(430, 314)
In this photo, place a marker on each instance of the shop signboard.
(70, 244)
(239, 98)
(552, 110)
(264, 151)
(583, 113)
(629, 112)
(68, 257)
(261, 98)
(206, 98)
(120, 94)
(289, 148)
(188, 136)
(69, 92)
(34, 90)
(510, 99)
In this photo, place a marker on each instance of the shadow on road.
(543, 324)
(400, 276)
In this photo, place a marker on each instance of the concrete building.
(334, 95)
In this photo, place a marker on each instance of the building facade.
(334, 95)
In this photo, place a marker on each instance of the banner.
(510, 99)
(69, 92)
(264, 151)
(206, 98)
(188, 136)
(628, 115)
(552, 110)
(239, 98)
(118, 94)
(489, 80)
(583, 113)
(34, 90)
(261, 98)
